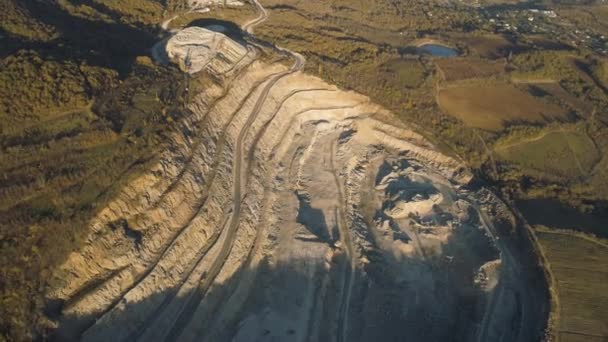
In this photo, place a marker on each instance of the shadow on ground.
(300, 299)
(99, 43)
(553, 213)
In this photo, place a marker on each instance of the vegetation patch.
(56, 173)
(558, 66)
(556, 214)
(134, 10)
(34, 89)
(600, 71)
(16, 20)
(406, 73)
(78, 119)
(489, 46)
(238, 15)
(599, 174)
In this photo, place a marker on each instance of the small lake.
(438, 50)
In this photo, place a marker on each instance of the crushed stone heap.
(197, 48)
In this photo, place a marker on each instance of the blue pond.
(438, 50)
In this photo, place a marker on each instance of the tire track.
(346, 238)
(235, 214)
(219, 154)
(91, 286)
(197, 295)
(165, 303)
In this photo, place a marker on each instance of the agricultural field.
(563, 153)
(457, 69)
(579, 265)
(484, 105)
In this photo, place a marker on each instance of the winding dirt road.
(262, 17)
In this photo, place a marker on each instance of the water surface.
(438, 50)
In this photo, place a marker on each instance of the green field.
(580, 269)
(568, 154)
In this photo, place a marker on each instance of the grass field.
(492, 105)
(579, 266)
(456, 69)
(569, 154)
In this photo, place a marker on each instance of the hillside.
(318, 170)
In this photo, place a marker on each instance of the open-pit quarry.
(286, 209)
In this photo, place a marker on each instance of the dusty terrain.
(288, 209)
